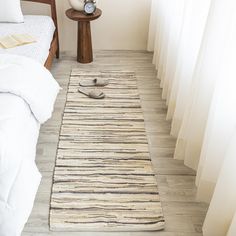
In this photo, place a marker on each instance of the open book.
(15, 40)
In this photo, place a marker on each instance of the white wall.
(123, 24)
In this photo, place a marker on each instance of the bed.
(27, 95)
(43, 28)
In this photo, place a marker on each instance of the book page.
(15, 40)
(23, 38)
(8, 42)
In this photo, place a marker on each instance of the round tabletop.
(82, 16)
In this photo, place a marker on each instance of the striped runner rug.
(103, 177)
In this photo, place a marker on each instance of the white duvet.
(27, 95)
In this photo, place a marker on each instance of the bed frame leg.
(58, 53)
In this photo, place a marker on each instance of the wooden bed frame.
(54, 49)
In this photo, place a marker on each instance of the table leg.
(84, 51)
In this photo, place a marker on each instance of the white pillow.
(10, 11)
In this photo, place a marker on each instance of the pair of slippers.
(96, 94)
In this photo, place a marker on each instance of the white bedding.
(40, 27)
(19, 176)
(19, 129)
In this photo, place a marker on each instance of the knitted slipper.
(96, 94)
(95, 82)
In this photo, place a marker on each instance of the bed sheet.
(40, 27)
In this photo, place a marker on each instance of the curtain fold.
(189, 46)
(195, 57)
(220, 216)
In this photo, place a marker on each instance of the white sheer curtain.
(194, 44)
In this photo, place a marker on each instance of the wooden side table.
(84, 48)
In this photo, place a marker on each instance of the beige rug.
(103, 178)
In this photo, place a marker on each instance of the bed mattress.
(40, 27)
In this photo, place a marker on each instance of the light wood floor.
(184, 216)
